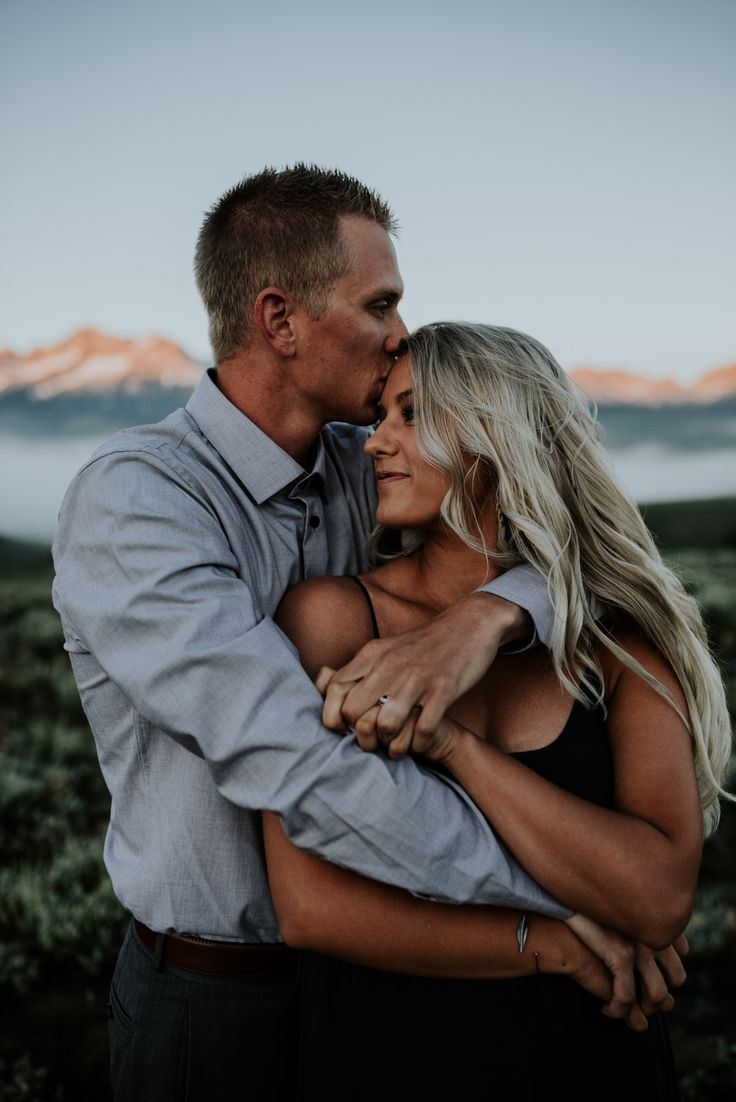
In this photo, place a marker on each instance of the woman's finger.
(324, 677)
(332, 716)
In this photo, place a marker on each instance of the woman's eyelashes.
(407, 414)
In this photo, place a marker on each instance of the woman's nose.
(380, 442)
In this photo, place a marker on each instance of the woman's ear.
(273, 316)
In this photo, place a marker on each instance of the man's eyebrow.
(392, 296)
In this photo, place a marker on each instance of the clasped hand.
(373, 728)
(418, 675)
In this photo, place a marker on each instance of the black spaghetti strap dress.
(368, 1034)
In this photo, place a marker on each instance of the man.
(175, 545)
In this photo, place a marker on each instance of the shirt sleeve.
(147, 582)
(524, 586)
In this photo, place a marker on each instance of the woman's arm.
(633, 868)
(328, 909)
(331, 910)
(327, 620)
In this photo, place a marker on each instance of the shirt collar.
(261, 465)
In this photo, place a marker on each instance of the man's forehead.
(372, 254)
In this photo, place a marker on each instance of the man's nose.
(397, 336)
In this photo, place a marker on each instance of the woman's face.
(410, 491)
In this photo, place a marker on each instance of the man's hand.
(618, 956)
(425, 669)
(658, 973)
(641, 978)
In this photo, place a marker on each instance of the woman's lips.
(384, 478)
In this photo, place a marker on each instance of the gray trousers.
(176, 1036)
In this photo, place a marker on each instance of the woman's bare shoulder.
(634, 641)
(327, 619)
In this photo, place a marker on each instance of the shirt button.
(314, 522)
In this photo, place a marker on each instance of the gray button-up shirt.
(174, 547)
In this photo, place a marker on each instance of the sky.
(566, 167)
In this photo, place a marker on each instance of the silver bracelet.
(521, 931)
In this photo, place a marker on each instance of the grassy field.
(60, 924)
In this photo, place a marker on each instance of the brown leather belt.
(221, 958)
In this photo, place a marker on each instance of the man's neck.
(271, 405)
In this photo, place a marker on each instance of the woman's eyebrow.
(381, 409)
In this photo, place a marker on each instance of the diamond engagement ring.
(383, 699)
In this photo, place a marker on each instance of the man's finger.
(636, 1019)
(654, 993)
(623, 995)
(361, 664)
(619, 959)
(398, 697)
(681, 946)
(400, 746)
(394, 714)
(671, 966)
(434, 708)
(365, 730)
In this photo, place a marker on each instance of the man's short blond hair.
(278, 228)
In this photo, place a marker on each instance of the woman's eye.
(381, 306)
(407, 414)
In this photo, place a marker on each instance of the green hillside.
(708, 524)
(60, 924)
(24, 558)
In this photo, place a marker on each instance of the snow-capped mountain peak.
(90, 360)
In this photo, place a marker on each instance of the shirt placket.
(313, 547)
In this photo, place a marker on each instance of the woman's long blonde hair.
(500, 396)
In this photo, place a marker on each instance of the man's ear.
(273, 317)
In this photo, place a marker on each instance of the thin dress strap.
(366, 594)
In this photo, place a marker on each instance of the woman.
(597, 761)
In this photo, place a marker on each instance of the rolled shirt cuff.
(524, 586)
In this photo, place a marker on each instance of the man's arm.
(330, 910)
(148, 583)
(431, 667)
(525, 588)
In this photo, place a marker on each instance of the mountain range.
(90, 360)
(92, 383)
